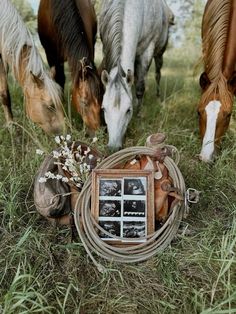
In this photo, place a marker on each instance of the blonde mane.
(215, 29)
(14, 37)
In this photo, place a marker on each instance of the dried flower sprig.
(75, 161)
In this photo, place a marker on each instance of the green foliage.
(41, 271)
(193, 23)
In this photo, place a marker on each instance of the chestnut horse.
(42, 95)
(67, 30)
(218, 82)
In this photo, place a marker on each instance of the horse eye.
(128, 111)
(51, 107)
(198, 113)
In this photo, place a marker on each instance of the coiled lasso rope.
(88, 228)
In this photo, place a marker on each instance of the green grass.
(41, 271)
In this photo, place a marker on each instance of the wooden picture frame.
(122, 202)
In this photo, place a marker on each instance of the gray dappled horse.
(132, 32)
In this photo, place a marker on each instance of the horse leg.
(4, 94)
(60, 75)
(158, 65)
(142, 65)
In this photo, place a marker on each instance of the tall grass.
(41, 271)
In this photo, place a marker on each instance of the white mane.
(111, 23)
(14, 36)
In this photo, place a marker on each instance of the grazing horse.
(42, 95)
(67, 30)
(132, 33)
(218, 81)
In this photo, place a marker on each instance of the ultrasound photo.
(110, 187)
(133, 208)
(112, 227)
(134, 229)
(109, 208)
(135, 186)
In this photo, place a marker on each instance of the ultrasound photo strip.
(123, 203)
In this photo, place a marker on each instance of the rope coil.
(87, 226)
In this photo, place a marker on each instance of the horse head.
(87, 95)
(43, 103)
(214, 111)
(117, 104)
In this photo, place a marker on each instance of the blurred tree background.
(188, 19)
(27, 13)
(186, 31)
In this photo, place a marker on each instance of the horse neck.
(88, 16)
(230, 55)
(130, 37)
(22, 72)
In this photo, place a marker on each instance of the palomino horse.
(42, 94)
(67, 30)
(218, 82)
(132, 33)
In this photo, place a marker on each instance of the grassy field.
(41, 271)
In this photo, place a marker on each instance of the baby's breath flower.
(90, 156)
(39, 152)
(57, 139)
(58, 177)
(68, 137)
(67, 163)
(56, 154)
(87, 151)
(95, 139)
(81, 168)
(50, 175)
(42, 180)
(65, 179)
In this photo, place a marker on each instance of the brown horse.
(42, 94)
(67, 30)
(218, 82)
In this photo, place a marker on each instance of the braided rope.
(87, 226)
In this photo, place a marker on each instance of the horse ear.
(232, 83)
(36, 80)
(204, 81)
(129, 77)
(105, 77)
(52, 72)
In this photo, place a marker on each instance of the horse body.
(218, 82)
(132, 32)
(67, 30)
(42, 94)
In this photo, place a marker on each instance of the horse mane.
(72, 38)
(215, 29)
(111, 22)
(94, 83)
(15, 38)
